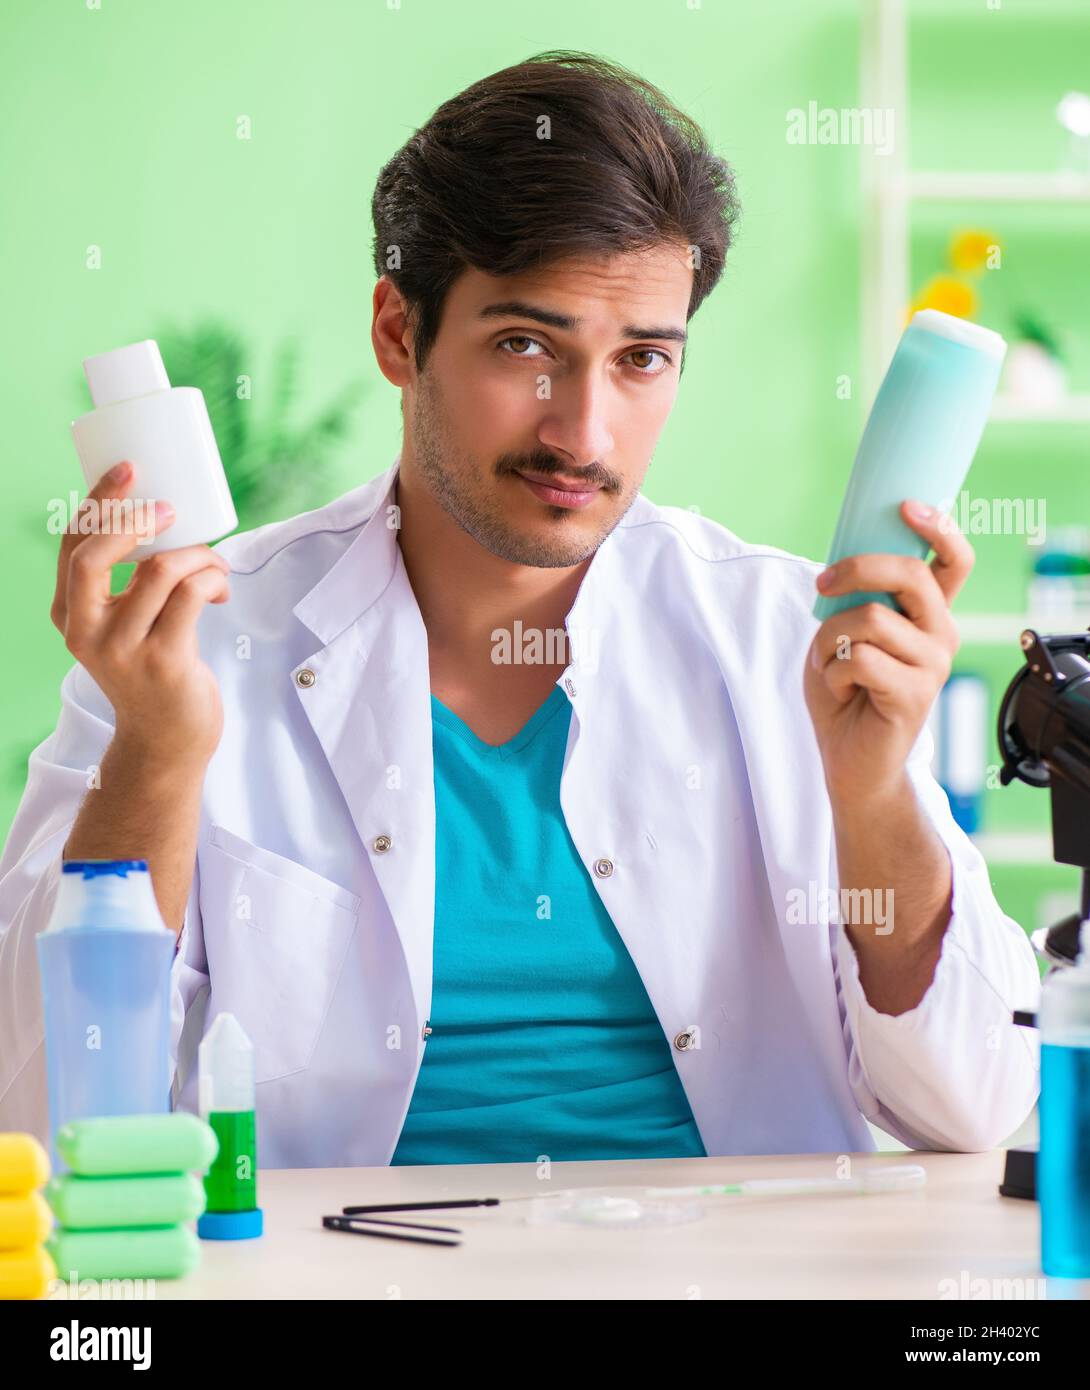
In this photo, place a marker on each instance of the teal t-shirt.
(543, 1040)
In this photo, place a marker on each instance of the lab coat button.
(684, 1040)
(381, 844)
(305, 678)
(603, 867)
(425, 1032)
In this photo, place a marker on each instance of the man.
(502, 807)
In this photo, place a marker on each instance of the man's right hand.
(140, 646)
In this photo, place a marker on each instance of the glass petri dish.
(613, 1208)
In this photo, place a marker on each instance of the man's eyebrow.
(518, 308)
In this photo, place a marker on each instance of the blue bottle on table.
(1063, 1168)
(105, 963)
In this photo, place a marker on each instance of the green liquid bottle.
(226, 1090)
(231, 1183)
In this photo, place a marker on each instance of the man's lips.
(560, 493)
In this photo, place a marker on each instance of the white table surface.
(899, 1245)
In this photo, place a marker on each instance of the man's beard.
(453, 488)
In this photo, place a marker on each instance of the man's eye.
(521, 341)
(650, 352)
(519, 338)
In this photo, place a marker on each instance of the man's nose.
(575, 421)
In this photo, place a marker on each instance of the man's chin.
(546, 554)
(544, 547)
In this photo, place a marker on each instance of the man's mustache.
(550, 467)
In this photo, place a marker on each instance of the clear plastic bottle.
(105, 967)
(1063, 1175)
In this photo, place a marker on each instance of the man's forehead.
(578, 291)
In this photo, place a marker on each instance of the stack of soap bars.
(121, 1210)
(26, 1269)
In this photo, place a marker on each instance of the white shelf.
(1003, 629)
(890, 190)
(1068, 410)
(1015, 846)
(972, 185)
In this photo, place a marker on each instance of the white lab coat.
(691, 769)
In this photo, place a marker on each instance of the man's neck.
(464, 592)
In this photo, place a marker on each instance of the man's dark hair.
(619, 169)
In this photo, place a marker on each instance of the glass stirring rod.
(898, 1178)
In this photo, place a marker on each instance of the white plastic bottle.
(165, 433)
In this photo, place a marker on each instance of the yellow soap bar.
(24, 1221)
(24, 1164)
(26, 1273)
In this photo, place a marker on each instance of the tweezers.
(360, 1226)
(427, 1206)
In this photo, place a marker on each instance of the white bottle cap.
(960, 330)
(225, 1067)
(126, 372)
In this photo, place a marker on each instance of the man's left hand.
(872, 673)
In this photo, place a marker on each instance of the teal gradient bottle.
(919, 440)
(1063, 1168)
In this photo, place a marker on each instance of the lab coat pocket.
(276, 934)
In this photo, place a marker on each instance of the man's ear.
(391, 333)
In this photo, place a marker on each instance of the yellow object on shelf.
(971, 250)
(948, 294)
(26, 1273)
(24, 1164)
(25, 1220)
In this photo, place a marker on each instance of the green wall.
(121, 133)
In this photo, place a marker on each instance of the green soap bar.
(83, 1204)
(117, 1145)
(149, 1252)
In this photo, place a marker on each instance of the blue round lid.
(93, 868)
(230, 1225)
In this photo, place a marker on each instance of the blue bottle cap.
(230, 1225)
(93, 868)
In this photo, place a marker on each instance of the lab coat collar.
(363, 572)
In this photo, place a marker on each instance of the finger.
(87, 593)
(177, 621)
(877, 624)
(872, 670)
(910, 580)
(137, 608)
(954, 556)
(114, 483)
(107, 501)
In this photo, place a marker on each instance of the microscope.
(1044, 739)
